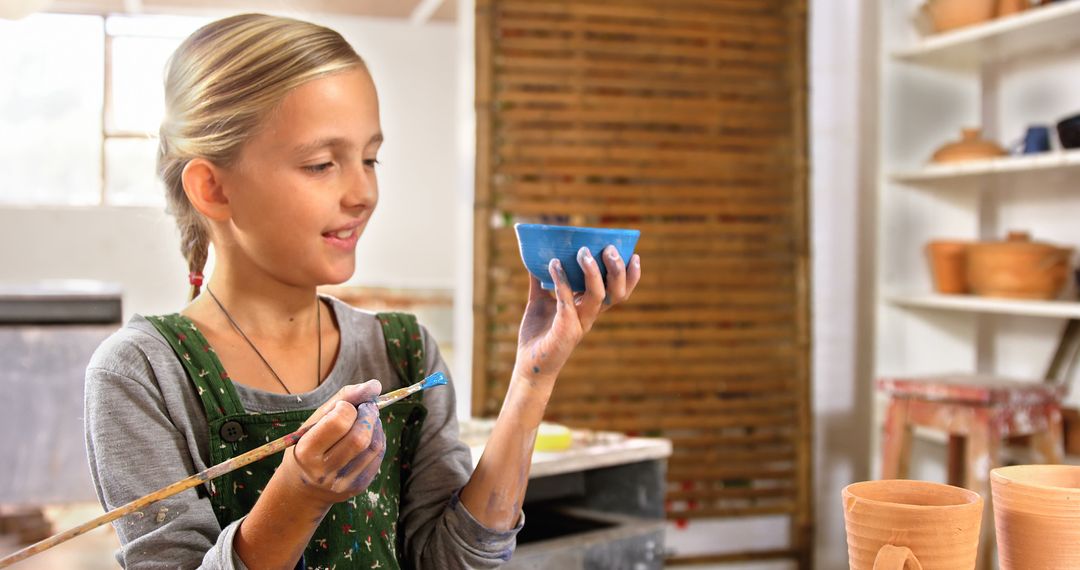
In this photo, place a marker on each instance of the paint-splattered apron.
(358, 533)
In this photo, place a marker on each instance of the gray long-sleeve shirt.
(146, 428)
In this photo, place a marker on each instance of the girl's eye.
(371, 162)
(319, 168)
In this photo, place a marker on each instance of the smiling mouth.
(343, 234)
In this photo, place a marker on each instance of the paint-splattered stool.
(977, 413)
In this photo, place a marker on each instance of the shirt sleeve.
(439, 531)
(134, 448)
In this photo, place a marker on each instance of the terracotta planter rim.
(969, 497)
(1002, 475)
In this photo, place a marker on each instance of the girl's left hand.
(553, 326)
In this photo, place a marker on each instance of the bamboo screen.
(684, 119)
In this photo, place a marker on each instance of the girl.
(268, 151)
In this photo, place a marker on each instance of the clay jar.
(1037, 516)
(948, 265)
(951, 14)
(898, 524)
(971, 146)
(1018, 268)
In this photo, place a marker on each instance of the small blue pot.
(540, 243)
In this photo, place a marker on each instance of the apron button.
(231, 431)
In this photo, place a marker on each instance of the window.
(50, 110)
(83, 104)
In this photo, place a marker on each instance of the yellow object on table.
(553, 437)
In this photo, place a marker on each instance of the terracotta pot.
(897, 524)
(1037, 516)
(971, 146)
(1009, 7)
(948, 265)
(951, 14)
(1018, 268)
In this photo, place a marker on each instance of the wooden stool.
(977, 414)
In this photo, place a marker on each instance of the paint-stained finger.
(319, 412)
(357, 394)
(588, 304)
(616, 276)
(357, 439)
(362, 469)
(354, 394)
(565, 308)
(633, 274)
(326, 432)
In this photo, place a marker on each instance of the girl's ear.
(202, 184)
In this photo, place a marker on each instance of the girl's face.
(304, 185)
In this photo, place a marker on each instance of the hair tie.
(195, 279)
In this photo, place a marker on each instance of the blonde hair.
(219, 85)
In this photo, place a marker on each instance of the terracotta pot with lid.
(971, 146)
(1018, 268)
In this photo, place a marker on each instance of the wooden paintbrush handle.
(204, 476)
(197, 479)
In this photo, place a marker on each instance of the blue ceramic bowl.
(540, 243)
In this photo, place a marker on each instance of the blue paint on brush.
(436, 379)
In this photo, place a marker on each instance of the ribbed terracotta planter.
(902, 524)
(1037, 516)
(948, 265)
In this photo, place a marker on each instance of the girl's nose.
(362, 189)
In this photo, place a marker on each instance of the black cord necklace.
(318, 333)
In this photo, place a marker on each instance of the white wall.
(135, 247)
(409, 242)
(466, 190)
(843, 154)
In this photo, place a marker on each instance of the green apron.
(358, 533)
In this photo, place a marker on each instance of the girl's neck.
(267, 310)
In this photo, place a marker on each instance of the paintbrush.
(228, 466)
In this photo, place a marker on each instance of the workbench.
(597, 505)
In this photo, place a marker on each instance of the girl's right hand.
(342, 452)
